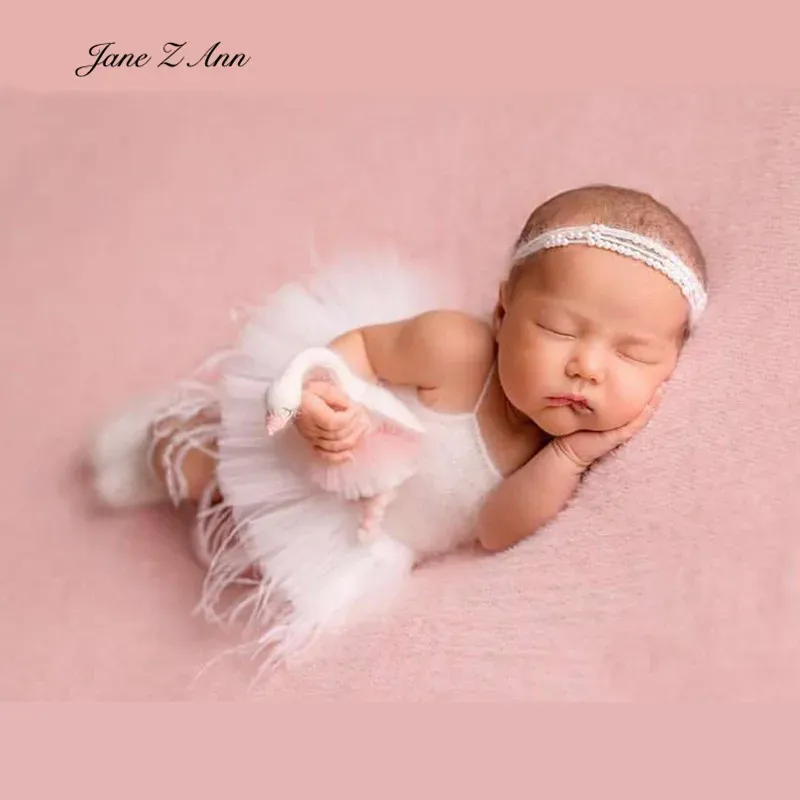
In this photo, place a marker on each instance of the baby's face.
(591, 324)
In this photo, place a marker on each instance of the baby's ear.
(500, 308)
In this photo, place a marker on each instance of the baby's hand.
(583, 448)
(330, 421)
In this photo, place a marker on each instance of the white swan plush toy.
(384, 458)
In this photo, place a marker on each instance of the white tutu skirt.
(287, 544)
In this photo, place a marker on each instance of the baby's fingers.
(334, 458)
(332, 394)
(650, 409)
(343, 443)
(320, 417)
(347, 426)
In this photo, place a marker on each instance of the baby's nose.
(588, 364)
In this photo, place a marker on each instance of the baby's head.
(590, 313)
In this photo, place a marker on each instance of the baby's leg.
(183, 456)
(143, 455)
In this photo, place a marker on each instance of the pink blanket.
(130, 226)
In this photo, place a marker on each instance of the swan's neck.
(318, 357)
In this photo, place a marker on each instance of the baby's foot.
(374, 512)
(119, 457)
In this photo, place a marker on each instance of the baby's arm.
(420, 352)
(534, 494)
(528, 499)
(424, 352)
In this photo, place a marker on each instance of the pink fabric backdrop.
(131, 225)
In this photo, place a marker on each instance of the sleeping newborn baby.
(603, 287)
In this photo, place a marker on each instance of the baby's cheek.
(520, 373)
(627, 401)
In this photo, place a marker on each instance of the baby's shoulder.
(459, 339)
(464, 348)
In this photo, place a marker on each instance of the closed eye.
(638, 359)
(553, 331)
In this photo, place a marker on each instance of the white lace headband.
(626, 243)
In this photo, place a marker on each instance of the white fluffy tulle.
(289, 542)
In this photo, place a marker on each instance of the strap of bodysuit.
(485, 388)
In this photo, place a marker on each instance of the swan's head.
(277, 421)
(282, 403)
(284, 395)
